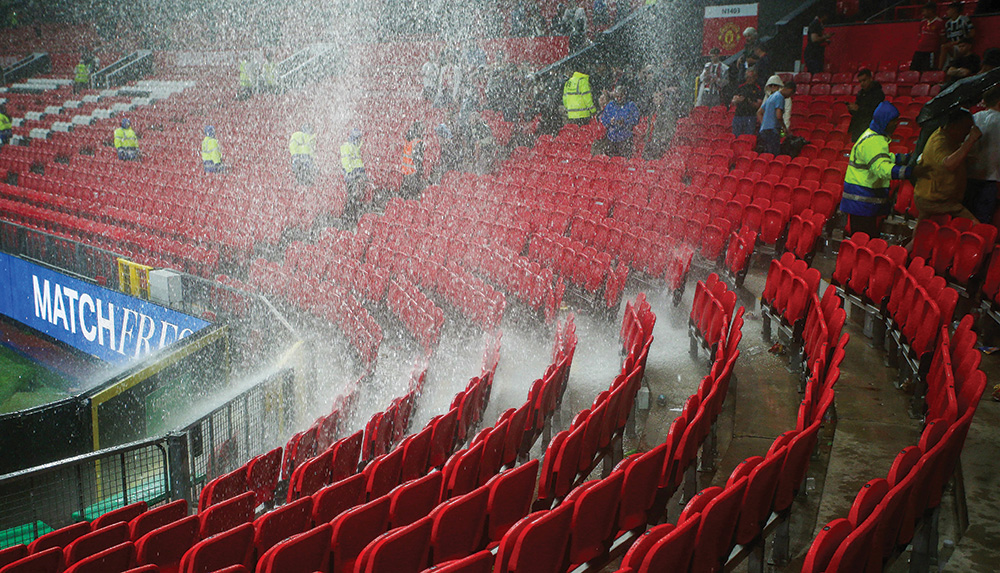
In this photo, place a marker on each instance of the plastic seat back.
(354, 529)
(231, 547)
(59, 538)
(414, 499)
(403, 550)
(541, 545)
(337, 498)
(673, 552)
(593, 531)
(94, 542)
(44, 560)
(227, 514)
(458, 525)
(126, 514)
(301, 553)
(510, 498)
(165, 546)
(757, 501)
(263, 473)
(281, 523)
(117, 559)
(226, 486)
(825, 545)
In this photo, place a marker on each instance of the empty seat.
(126, 514)
(59, 538)
(231, 547)
(165, 546)
(117, 559)
(95, 542)
(224, 487)
(282, 523)
(593, 528)
(301, 553)
(673, 551)
(157, 517)
(458, 525)
(11, 554)
(227, 514)
(402, 550)
(336, 498)
(511, 494)
(263, 472)
(353, 530)
(537, 543)
(414, 499)
(825, 544)
(45, 560)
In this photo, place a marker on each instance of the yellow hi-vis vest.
(350, 157)
(408, 167)
(125, 138)
(5, 122)
(270, 74)
(245, 79)
(302, 143)
(576, 97)
(870, 169)
(210, 150)
(82, 74)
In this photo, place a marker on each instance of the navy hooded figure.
(869, 171)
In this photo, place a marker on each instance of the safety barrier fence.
(159, 469)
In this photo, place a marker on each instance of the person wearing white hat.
(774, 84)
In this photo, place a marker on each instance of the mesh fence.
(36, 501)
(246, 426)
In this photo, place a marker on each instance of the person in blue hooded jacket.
(870, 169)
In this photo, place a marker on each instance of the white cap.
(775, 81)
(751, 31)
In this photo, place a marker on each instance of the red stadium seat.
(337, 498)
(231, 547)
(165, 546)
(126, 514)
(117, 559)
(281, 523)
(301, 553)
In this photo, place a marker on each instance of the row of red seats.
(887, 512)
(787, 293)
(421, 317)
(919, 304)
(957, 248)
(866, 268)
(711, 311)
(739, 251)
(823, 341)
(890, 90)
(905, 77)
(334, 303)
(804, 231)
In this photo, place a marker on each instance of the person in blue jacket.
(870, 169)
(619, 117)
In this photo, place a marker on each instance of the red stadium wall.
(869, 44)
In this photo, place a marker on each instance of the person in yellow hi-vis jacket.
(577, 100)
(126, 142)
(355, 177)
(302, 148)
(81, 76)
(211, 155)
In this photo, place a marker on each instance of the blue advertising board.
(101, 322)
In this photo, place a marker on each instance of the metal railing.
(134, 66)
(251, 423)
(42, 499)
(38, 500)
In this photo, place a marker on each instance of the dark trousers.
(618, 148)
(744, 125)
(981, 199)
(922, 61)
(863, 224)
(769, 141)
